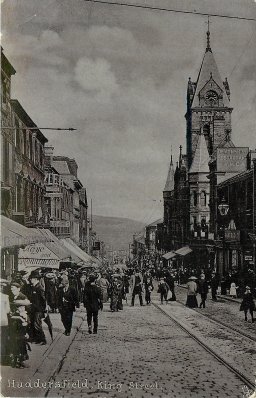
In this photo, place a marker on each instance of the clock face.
(211, 98)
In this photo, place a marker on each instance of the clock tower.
(208, 107)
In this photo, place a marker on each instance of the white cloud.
(120, 78)
(95, 75)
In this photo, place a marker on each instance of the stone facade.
(69, 204)
(191, 193)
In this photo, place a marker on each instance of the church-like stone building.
(190, 201)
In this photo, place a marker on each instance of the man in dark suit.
(92, 299)
(67, 300)
(37, 309)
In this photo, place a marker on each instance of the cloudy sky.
(119, 76)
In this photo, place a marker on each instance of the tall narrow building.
(208, 107)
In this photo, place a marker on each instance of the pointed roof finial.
(171, 156)
(208, 47)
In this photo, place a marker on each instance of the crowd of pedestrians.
(29, 298)
(200, 286)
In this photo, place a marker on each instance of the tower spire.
(208, 47)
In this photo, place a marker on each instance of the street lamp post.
(223, 210)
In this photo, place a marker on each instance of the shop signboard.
(248, 257)
(232, 159)
(232, 235)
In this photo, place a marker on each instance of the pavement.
(138, 352)
(44, 361)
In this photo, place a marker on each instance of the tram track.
(219, 322)
(220, 359)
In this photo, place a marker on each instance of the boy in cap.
(18, 342)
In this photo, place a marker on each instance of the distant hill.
(115, 231)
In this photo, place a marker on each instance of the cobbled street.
(139, 352)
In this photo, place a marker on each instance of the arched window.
(194, 198)
(203, 198)
(206, 129)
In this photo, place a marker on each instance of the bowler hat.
(35, 274)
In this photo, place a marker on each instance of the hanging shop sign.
(232, 234)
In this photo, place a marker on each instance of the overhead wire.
(155, 8)
(242, 54)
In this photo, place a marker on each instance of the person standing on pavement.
(203, 290)
(136, 286)
(92, 299)
(248, 303)
(67, 303)
(18, 328)
(37, 309)
(192, 292)
(4, 322)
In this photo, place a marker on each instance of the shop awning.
(83, 253)
(169, 255)
(57, 247)
(75, 250)
(14, 234)
(37, 255)
(183, 251)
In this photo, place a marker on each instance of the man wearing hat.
(203, 290)
(92, 299)
(67, 299)
(136, 286)
(38, 305)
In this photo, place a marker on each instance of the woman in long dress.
(103, 283)
(191, 293)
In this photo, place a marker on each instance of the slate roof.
(169, 185)
(207, 71)
(201, 157)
